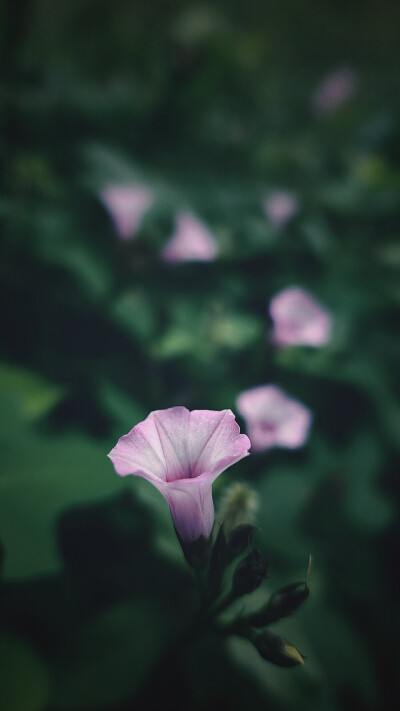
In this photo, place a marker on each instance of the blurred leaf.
(24, 678)
(39, 478)
(283, 497)
(34, 396)
(107, 659)
(235, 331)
(59, 242)
(136, 314)
(335, 645)
(125, 411)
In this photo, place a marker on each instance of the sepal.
(283, 602)
(240, 539)
(249, 574)
(197, 553)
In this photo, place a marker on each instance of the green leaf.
(32, 394)
(24, 677)
(106, 660)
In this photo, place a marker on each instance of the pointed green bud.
(276, 649)
(281, 604)
(249, 574)
(240, 539)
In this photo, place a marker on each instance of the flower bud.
(281, 604)
(239, 539)
(276, 649)
(249, 574)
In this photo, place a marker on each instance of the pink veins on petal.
(273, 419)
(181, 453)
(191, 241)
(127, 204)
(299, 319)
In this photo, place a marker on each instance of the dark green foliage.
(248, 574)
(210, 106)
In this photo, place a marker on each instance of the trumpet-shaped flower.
(191, 241)
(273, 419)
(280, 206)
(337, 88)
(181, 453)
(299, 319)
(127, 205)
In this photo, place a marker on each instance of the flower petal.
(273, 418)
(156, 447)
(127, 204)
(192, 507)
(191, 241)
(299, 319)
(215, 441)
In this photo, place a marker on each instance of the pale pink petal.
(215, 441)
(299, 319)
(337, 88)
(280, 206)
(192, 507)
(191, 241)
(158, 445)
(181, 453)
(273, 419)
(127, 205)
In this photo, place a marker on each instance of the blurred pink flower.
(126, 204)
(191, 241)
(334, 90)
(299, 319)
(273, 419)
(280, 206)
(181, 453)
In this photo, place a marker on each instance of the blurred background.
(168, 167)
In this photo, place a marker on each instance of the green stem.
(169, 656)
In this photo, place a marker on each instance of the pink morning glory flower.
(273, 418)
(280, 206)
(127, 205)
(181, 453)
(337, 88)
(191, 241)
(299, 319)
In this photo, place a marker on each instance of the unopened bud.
(249, 574)
(240, 539)
(281, 604)
(276, 649)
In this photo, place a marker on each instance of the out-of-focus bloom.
(334, 90)
(280, 206)
(273, 419)
(299, 319)
(191, 241)
(127, 205)
(181, 453)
